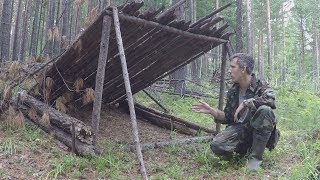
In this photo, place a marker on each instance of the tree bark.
(35, 27)
(283, 64)
(249, 37)
(317, 51)
(24, 32)
(5, 30)
(180, 74)
(260, 56)
(239, 42)
(270, 64)
(49, 30)
(302, 39)
(15, 50)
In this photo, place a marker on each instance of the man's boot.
(260, 140)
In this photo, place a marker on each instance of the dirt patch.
(115, 126)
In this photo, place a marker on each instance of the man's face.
(235, 71)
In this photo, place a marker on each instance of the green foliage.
(8, 146)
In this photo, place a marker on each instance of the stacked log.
(60, 124)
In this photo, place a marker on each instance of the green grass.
(295, 157)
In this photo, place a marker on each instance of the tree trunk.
(195, 65)
(260, 56)
(65, 13)
(317, 51)
(57, 31)
(302, 38)
(5, 30)
(204, 66)
(35, 29)
(42, 36)
(91, 5)
(249, 37)
(49, 30)
(180, 74)
(269, 43)
(16, 33)
(283, 64)
(24, 32)
(239, 42)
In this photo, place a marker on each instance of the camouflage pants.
(238, 137)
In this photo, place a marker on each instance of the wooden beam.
(167, 28)
(129, 93)
(210, 15)
(171, 9)
(103, 56)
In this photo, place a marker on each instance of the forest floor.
(29, 153)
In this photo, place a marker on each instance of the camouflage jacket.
(257, 94)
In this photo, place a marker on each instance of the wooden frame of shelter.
(155, 47)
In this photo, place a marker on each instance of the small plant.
(8, 146)
(57, 170)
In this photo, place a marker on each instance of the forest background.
(282, 35)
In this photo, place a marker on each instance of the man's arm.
(266, 96)
(202, 107)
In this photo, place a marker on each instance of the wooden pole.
(104, 45)
(211, 14)
(156, 101)
(222, 82)
(171, 9)
(129, 93)
(167, 28)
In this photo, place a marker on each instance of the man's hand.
(239, 110)
(202, 107)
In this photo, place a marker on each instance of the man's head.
(241, 65)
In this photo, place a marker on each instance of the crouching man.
(251, 123)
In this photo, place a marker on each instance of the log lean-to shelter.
(120, 54)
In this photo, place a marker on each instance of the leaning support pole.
(222, 82)
(129, 93)
(104, 45)
(156, 101)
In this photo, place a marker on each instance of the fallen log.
(165, 122)
(59, 119)
(80, 148)
(185, 141)
(175, 119)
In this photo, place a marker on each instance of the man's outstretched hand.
(202, 107)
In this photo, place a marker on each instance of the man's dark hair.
(244, 61)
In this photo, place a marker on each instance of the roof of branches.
(155, 46)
